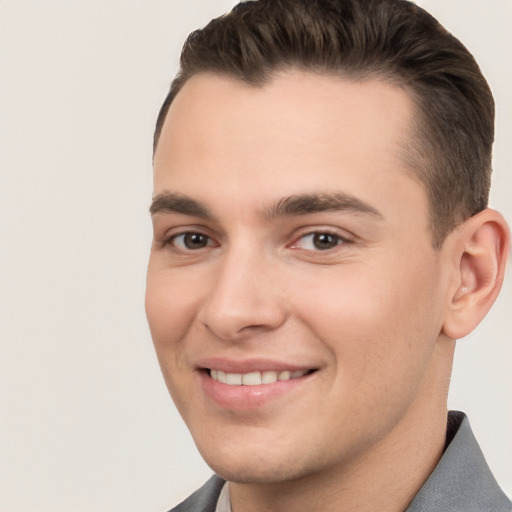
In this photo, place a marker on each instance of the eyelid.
(314, 230)
(172, 239)
(344, 239)
(167, 238)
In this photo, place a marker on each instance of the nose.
(245, 298)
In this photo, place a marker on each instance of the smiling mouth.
(255, 378)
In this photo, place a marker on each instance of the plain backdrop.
(85, 420)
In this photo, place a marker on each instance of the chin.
(251, 474)
(255, 467)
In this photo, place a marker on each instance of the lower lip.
(248, 397)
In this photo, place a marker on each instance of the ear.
(480, 248)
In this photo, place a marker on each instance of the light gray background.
(85, 420)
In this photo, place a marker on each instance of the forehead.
(299, 100)
(298, 132)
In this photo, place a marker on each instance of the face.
(293, 295)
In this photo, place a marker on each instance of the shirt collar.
(462, 480)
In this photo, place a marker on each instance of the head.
(320, 233)
(449, 148)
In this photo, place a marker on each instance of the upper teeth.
(254, 378)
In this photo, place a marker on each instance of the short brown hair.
(394, 40)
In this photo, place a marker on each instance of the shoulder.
(204, 499)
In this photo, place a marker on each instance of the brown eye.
(323, 241)
(191, 241)
(319, 241)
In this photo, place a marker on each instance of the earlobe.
(481, 250)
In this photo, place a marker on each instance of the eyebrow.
(170, 202)
(295, 205)
(304, 204)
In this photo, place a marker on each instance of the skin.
(373, 315)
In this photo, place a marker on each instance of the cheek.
(375, 333)
(170, 303)
(170, 309)
(380, 326)
(170, 313)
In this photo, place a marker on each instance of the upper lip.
(249, 365)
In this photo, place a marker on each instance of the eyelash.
(338, 240)
(171, 240)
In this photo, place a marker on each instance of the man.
(321, 239)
